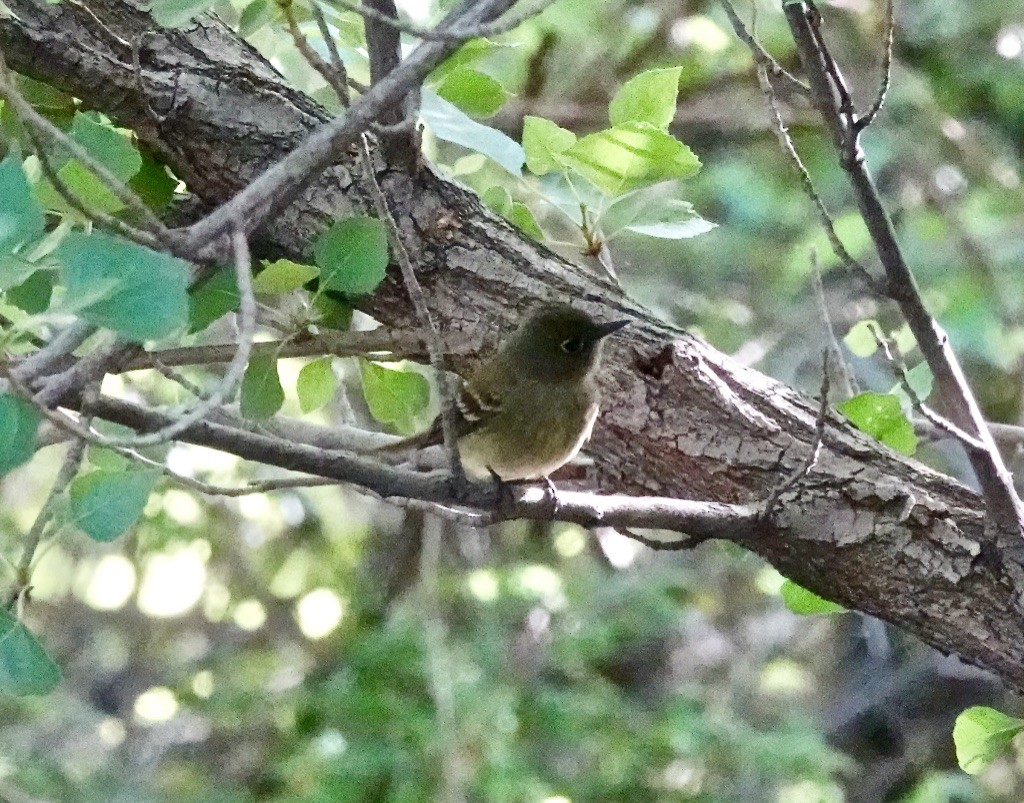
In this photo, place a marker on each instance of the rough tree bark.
(866, 527)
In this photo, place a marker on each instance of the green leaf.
(799, 600)
(543, 143)
(880, 415)
(215, 296)
(629, 156)
(649, 97)
(283, 276)
(451, 124)
(472, 51)
(920, 380)
(105, 504)
(81, 182)
(332, 312)
(262, 394)
(111, 149)
(256, 15)
(107, 459)
(107, 146)
(58, 107)
(19, 423)
(143, 292)
(980, 735)
(651, 212)
(153, 184)
(394, 397)
(523, 218)
(21, 219)
(474, 92)
(175, 13)
(500, 201)
(14, 270)
(860, 340)
(33, 294)
(352, 255)
(25, 668)
(316, 384)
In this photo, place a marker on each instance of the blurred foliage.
(317, 645)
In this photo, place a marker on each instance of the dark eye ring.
(572, 345)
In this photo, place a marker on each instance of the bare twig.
(68, 469)
(849, 388)
(868, 117)
(831, 97)
(819, 439)
(336, 61)
(899, 370)
(699, 519)
(336, 79)
(438, 662)
(397, 345)
(786, 142)
(435, 343)
(90, 368)
(66, 341)
(762, 57)
(460, 33)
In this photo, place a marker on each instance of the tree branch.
(831, 97)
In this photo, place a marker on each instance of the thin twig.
(850, 387)
(460, 33)
(65, 342)
(700, 519)
(397, 345)
(819, 439)
(336, 61)
(761, 56)
(435, 343)
(335, 80)
(90, 368)
(868, 117)
(68, 469)
(438, 663)
(231, 378)
(786, 141)
(899, 370)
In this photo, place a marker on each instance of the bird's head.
(558, 342)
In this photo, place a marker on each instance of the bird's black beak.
(605, 329)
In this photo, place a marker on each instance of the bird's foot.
(551, 494)
(503, 491)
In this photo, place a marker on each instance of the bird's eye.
(572, 345)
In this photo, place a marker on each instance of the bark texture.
(866, 527)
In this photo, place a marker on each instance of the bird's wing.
(473, 408)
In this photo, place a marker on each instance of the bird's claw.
(503, 490)
(551, 493)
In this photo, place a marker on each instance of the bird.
(528, 410)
